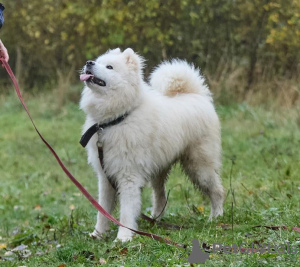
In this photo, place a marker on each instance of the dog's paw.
(123, 239)
(215, 215)
(96, 235)
(124, 235)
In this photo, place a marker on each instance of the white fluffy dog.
(170, 120)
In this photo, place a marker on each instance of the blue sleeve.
(1, 18)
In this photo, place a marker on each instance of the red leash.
(72, 178)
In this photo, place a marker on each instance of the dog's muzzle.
(89, 77)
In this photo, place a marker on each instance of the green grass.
(261, 158)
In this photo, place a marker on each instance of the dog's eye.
(109, 67)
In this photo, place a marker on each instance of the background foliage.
(256, 40)
(244, 48)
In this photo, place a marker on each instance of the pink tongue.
(85, 77)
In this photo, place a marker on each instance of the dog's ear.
(133, 60)
(115, 51)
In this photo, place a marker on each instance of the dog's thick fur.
(170, 120)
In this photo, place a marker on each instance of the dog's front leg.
(130, 208)
(106, 200)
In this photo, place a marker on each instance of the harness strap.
(96, 127)
(72, 178)
(85, 138)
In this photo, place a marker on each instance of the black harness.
(98, 128)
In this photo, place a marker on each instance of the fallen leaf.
(201, 209)
(37, 207)
(102, 261)
(47, 226)
(62, 265)
(124, 251)
(272, 227)
(225, 226)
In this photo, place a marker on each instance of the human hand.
(3, 52)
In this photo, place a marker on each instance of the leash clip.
(99, 132)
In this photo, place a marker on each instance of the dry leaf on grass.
(102, 261)
(225, 226)
(275, 227)
(37, 207)
(124, 251)
(201, 209)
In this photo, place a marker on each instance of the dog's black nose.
(90, 63)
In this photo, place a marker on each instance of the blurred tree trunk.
(164, 53)
(257, 38)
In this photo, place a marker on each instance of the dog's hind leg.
(210, 183)
(106, 200)
(202, 165)
(159, 199)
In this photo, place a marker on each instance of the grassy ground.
(42, 209)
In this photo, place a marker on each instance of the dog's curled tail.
(178, 77)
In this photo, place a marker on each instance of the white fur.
(178, 77)
(172, 119)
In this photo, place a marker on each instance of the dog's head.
(114, 70)
(113, 84)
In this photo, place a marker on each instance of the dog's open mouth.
(89, 77)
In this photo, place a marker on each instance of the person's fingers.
(6, 56)
(3, 52)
